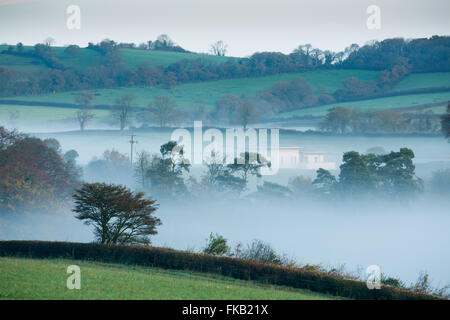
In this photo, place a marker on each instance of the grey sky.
(246, 26)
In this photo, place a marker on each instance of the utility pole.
(132, 143)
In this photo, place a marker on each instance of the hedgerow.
(227, 266)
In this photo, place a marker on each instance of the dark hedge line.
(226, 266)
(397, 93)
(59, 104)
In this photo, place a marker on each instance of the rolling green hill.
(424, 80)
(11, 115)
(134, 58)
(380, 104)
(46, 279)
(191, 94)
(88, 57)
(21, 64)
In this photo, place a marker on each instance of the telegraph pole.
(132, 143)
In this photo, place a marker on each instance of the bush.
(217, 245)
(393, 282)
(259, 251)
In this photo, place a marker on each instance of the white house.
(296, 158)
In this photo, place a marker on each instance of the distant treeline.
(397, 57)
(424, 55)
(340, 120)
(37, 174)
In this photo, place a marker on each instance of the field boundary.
(226, 266)
(6, 101)
(57, 104)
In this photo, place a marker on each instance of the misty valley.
(284, 210)
(152, 170)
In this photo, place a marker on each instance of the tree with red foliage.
(32, 174)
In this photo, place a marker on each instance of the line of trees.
(340, 120)
(375, 173)
(284, 96)
(162, 111)
(396, 56)
(164, 174)
(387, 175)
(424, 54)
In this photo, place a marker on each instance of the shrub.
(393, 282)
(216, 245)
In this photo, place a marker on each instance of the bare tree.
(304, 49)
(445, 122)
(122, 110)
(142, 165)
(163, 111)
(85, 114)
(246, 114)
(49, 41)
(13, 117)
(219, 48)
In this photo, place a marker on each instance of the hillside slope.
(46, 279)
(88, 57)
(190, 95)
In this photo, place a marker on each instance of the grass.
(41, 116)
(192, 94)
(38, 115)
(46, 279)
(189, 96)
(20, 64)
(135, 58)
(379, 104)
(424, 80)
(88, 57)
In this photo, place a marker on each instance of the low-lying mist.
(402, 238)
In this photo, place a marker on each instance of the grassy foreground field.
(46, 279)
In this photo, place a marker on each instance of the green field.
(21, 65)
(133, 58)
(424, 80)
(46, 279)
(379, 104)
(42, 116)
(191, 94)
(37, 116)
